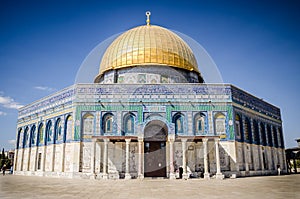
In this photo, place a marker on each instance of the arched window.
(199, 123)
(247, 133)
(220, 124)
(178, 120)
(68, 128)
(107, 123)
(32, 136)
(281, 137)
(57, 131)
(255, 132)
(238, 126)
(129, 120)
(274, 130)
(49, 133)
(40, 137)
(26, 137)
(269, 134)
(263, 134)
(19, 139)
(88, 124)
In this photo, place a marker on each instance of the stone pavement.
(286, 186)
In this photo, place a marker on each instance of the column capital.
(140, 139)
(128, 140)
(217, 140)
(204, 139)
(184, 139)
(106, 140)
(171, 138)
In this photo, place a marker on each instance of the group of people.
(4, 167)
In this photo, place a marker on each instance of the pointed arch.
(88, 124)
(199, 123)
(281, 137)
(238, 126)
(255, 132)
(128, 124)
(19, 139)
(57, 131)
(49, 133)
(219, 123)
(32, 136)
(40, 138)
(269, 134)
(26, 137)
(275, 135)
(263, 134)
(247, 131)
(107, 123)
(178, 120)
(68, 133)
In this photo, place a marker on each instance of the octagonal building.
(149, 113)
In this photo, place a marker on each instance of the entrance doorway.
(155, 136)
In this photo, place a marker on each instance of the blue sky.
(255, 44)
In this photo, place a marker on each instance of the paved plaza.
(286, 186)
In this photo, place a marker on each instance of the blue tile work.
(61, 96)
(254, 103)
(119, 98)
(203, 89)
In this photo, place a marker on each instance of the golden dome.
(148, 45)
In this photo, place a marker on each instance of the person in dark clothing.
(3, 169)
(180, 172)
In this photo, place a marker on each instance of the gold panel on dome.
(148, 45)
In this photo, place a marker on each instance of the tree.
(3, 154)
(3, 158)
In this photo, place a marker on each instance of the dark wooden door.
(155, 159)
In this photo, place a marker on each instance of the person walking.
(278, 169)
(3, 169)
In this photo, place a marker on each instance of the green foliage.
(4, 160)
(2, 154)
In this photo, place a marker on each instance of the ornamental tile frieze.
(247, 100)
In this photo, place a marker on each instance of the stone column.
(244, 146)
(205, 153)
(29, 153)
(267, 149)
(127, 172)
(262, 158)
(256, 161)
(22, 160)
(36, 158)
(284, 166)
(53, 142)
(16, 159)
(171, 139)
(53, 157)
(246, 157)
(140, 167)
(105, 159)
(219, 175)
(44, 157)
(43, 167)
(63, 153)
(93, 153)
(183, 144)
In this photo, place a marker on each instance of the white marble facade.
(79, 147)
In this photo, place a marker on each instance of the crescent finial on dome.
(148, 13)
